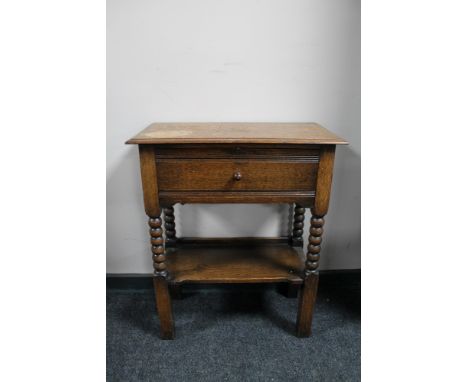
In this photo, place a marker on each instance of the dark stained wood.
(236, 163)
(169, 226)
(151, 200)
(164, 307)
(239, 174)
(244, 132)
(172, 197)
(313, 248)
(243, 151)
(298, 226)
(307, 297)
(252, 263)
(149, 180)
(308, 292)
(324, 180)
(157, 247)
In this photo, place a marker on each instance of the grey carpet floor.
(234, 334)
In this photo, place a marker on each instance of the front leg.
(308, 292)
(163, 298)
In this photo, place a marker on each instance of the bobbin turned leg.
(169, 226)
(171, 241)
(151, 198)
(292, 290)
(163, 298)
(308, 291)
(298, 225)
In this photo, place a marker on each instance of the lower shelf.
(220, 261)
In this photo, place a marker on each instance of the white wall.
(230, 60)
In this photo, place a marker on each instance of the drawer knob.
(237, 175)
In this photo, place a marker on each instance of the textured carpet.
(234, 334)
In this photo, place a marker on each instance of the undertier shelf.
(235, 261)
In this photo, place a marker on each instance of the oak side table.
(236, 163)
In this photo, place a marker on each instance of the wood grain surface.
(305, 311)
(324, 182)
(149, 180)
(305, 198)
(273, 133)
(241, 175)
(234, 151)
(164, 308)
(256, 262)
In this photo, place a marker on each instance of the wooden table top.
(238, 132)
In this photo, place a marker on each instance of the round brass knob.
(237, 175)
